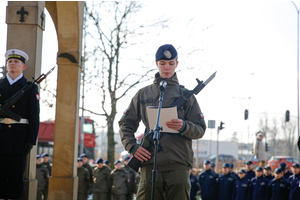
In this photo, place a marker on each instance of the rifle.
(134, 163)
(4, 109)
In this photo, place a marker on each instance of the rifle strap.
(182, 92)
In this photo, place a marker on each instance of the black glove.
(28, 147)
(299, 143)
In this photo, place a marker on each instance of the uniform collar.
(11, 81)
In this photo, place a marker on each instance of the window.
(88, 128)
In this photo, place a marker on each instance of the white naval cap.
(16, 54)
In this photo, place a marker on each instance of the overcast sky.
(252, 46)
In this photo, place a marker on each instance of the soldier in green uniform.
(132, 175)
(83, 180)
(47, 164)
(176, 156)
(89, 168)
(101, 187)
(42, 175)
(120, 182)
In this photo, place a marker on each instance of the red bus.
(46, 134)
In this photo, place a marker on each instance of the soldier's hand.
(175, 124)
(142, 154)
(28, 147)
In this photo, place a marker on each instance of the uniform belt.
(11, 121)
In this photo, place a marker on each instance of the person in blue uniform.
(16, 138)
(285, 170)
(278, 187)
(268, 174)
(294, 182)
(259, 185)
(241, 190)
(212, 167)
(250, 173)
(194, 185)
(208, 182)
(225, 184)
(231, 166)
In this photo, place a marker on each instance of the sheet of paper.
(166, 114)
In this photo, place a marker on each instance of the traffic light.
(267, 147)
(287, 116)
(246, 114)
(221, 125)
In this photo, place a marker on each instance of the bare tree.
(112, 30)
(289, 129)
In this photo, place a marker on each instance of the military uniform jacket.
(270, 178)
(83, 180)
(259, 186)
(278, 189)
(119, 180)
(225, 186)
(101, 179)
(294, 184)
(287, 175)
(90, 169)
(42, 175)
(208, 184)
(250, 175)
(132, 175)
(241, 190)
(177, 152)
(194, 186)
(13, 137)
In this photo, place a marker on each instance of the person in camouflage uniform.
(83, 180)
(132, 176)
(101, 186)
(120, 182)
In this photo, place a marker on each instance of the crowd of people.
(102, 182)
(247, 184)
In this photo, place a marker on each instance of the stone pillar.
(25, 25)
(67, 17)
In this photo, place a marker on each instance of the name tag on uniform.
(211, 177)
(244, 185)
(253, 183)
(282, 185)
(230, 179)
(263, 183)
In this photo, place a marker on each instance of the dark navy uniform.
(241, 190)
(194, 187)
(208, 185)
(294, 184)
(14, 138)
(287, 175)
(225, 186)
(259, 186)
(278, 189)
(250, 174)
(270, 178)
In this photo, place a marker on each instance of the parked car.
(222, 158)
(275, 161)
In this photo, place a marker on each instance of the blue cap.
(191, 167)
(38, 156)
(106, 162)
(242, 171)
(116, 162)
(225, 165)
(267, 167)
(212, 164)
(282, 165)
(278, 170)
(99, 160)
(206, 162)
(249, 162)
(258, 168)
(83, 155)
(166, 52)
(230, 165)
(79, 159)
(127, 158)
(45, 154)
(296, 165)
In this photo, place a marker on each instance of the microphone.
(162, 85)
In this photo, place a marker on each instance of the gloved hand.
(28, 147)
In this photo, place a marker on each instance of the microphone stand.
(156, 143)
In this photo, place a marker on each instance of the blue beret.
(45, 154)
(166, 52)
(230, 165)
(267, 167)
(99, 160)
(282, 165)
(191, 167)
(79, 159)
(249, 162)
(106, 162)
(83, 155)
(296, 165)
(213, 164)
(278, 170)
(38, 156)
(127, 158)
(206, 162)
(258, 168)
(116, 162)
(242, 171)
(225, 165)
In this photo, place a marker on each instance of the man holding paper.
(176, 155)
